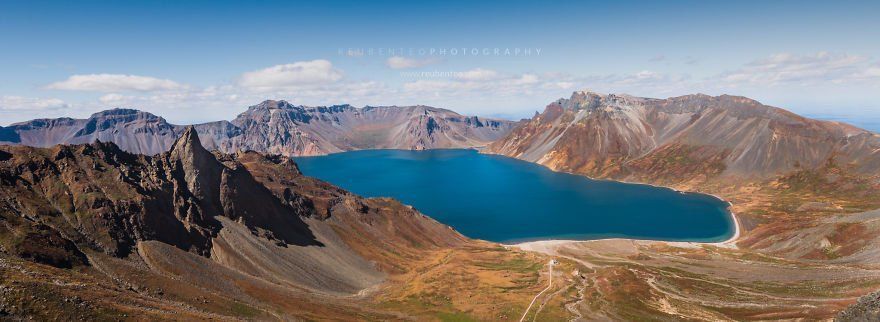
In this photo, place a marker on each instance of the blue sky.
(195, 61)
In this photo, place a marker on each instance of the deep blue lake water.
(508, 200)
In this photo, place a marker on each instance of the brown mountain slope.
(273, 127)
(93, 232)
(680, 138)
(100, 198)
(60, 204)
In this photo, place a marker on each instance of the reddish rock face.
(621, 136)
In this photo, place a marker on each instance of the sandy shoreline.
(544, 245)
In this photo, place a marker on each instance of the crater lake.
(507, 200)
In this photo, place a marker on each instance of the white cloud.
(646, 82)
(526, 79)
(225, 102)
(477, 84)
(560, 85)
(478, 90)
(172, 99)
(113, 98)
(294, 75)
(644, 78)
(819, 71)
(487, 92)
(398, 62)
(872, 72)
(115, 83)
(788, 69)
(356, 93)
(18, 103)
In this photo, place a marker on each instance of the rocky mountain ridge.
(272, 127)
(248, 212)
(627, 137)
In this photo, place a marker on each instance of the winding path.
(552, 261)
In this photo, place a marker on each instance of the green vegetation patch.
(519, 265)
(455, 317)
(240, 309)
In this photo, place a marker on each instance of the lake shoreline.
(724, 208)
(549, 243)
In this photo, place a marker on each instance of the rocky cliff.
(132, 130)
(71, 206)
(273, 127)
(680, 138)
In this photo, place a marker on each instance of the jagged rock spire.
(200, 169)
(188, 144)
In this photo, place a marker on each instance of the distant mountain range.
(599, 135)
(608, 136)
(680, 138)
(276, 127)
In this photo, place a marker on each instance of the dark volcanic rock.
(67, 201)
(240, 228)
(867, 309)
(102, 197)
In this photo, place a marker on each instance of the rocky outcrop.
(867, 309)
(276, 127)
(246, 212)
(680, 138)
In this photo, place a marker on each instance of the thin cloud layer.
(287, 76)
(786, 68)
(18, 103)
(476, 90)
(115, 83)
